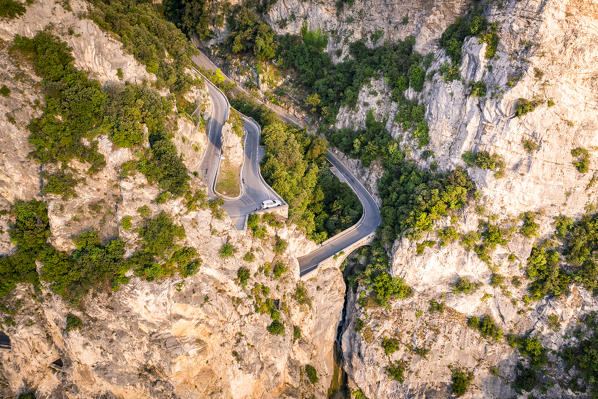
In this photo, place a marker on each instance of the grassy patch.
(228, 181)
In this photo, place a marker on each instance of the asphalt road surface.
(370, 219)
(254, 190)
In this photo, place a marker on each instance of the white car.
(270, 204)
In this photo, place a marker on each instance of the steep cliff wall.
(199, 337)
(546, 53)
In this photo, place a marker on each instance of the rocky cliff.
(545, 54)
(199, 337)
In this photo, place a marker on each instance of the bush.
(526, 379)
(417, 76)
(581, 358)
(530, 145)
(311, 373)
(460, 381)
(477, 89)
(226, 250)
(390, 345)
(472, 24)
(4, 91)
(249, 257)
(280, 245)
(396, 370)
(279, 269)
(436, 306)
(126, 223)
(243, 275)
(464, 286)
(296, 332)
(582, 164)
(525, 106)
(73, 322)
(276, 328)
(11, 9)
(529, 228)
(486, 326)
(301, 295)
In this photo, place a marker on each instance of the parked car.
(270, 204)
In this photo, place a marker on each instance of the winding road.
(254, 189)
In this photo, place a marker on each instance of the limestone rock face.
(200, 337)
(423, 19)
(544, 56)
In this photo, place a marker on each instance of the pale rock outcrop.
(395, 20)
(199, 337)
(546, 52)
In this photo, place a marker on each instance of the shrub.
(460, 381)
(530, 145)
(301, 295)
(582, 164)
(159, 235)
(249, 257)
(243, 275)
(390, 345)
(524, 106)
(464, 286)
(526, 379)
(531, 348)
(581, 357)
(73, 322)
(529, 228)
(4, 91)
(61, 183)
(11, 9)
(296, 332)
(125, 222)
(496, 280)
(417, 76)
(227, 250)
(477, 89)
(396, 370)
(486, 326)
(279, 269)
(311, 373)
(436, 306)
(276, 328)
(280, 245)
(447, 235)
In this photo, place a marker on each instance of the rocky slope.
(542, 55)
(198, 337)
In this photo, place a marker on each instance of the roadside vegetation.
(296, 168)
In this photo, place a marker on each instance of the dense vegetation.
(471, 24)
(196, 17)
(248, 35)
(78, 109)
(460, 381)
(376, 277)
(93, 264)
(151, 39)
(582, 357)
(570, 256)
(74, 104)
(11, 9)
(295, 166)
(339, 84)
